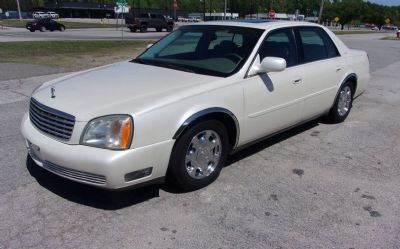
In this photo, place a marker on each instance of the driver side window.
(280, 43)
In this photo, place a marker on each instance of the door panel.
(323, 69)
(273, 101)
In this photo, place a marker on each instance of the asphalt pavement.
(316, 186)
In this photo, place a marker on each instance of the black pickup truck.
(148, 20)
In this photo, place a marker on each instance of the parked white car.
(53, 15)
(39, 15)
(187, 102)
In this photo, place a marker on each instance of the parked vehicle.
(53, 15)
(148, 20)
(44, 24)
(389, 27)
(191, 99)
(40, 15)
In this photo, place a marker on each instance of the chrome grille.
(51, 121)
(74, 174)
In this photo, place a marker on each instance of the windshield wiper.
(162, 64)
(177, 67)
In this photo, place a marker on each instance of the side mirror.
(268, 64)
(149, 45)
(272, 64)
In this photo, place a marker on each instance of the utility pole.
(204, 10)
(19, 11)
(225, 10)
(321, 9)
(210, 8)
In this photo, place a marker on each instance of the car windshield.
(203, 49)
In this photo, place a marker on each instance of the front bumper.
(97, 167)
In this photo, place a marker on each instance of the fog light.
(138, 174)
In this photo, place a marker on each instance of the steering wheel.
(233, 57)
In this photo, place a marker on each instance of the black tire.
(170, 28)
(158, 29)
(42, 29)
(143, 28)
(32, 30)
(178, 167)
(133, 30)
(339, 112)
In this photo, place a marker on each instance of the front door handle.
(338, 69)
(297, 81)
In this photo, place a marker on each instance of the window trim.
(262, 43)
(323, 37)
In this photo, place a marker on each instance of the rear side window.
(280, 43)
(316, 44)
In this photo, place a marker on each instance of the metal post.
(321, 8)
(19, 11)
(204, 10)
(225, 10)
(210, 8)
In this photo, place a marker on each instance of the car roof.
(260, 24)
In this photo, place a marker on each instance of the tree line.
(348, 11)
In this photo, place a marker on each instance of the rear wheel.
(199, 155)
(133, 30)
(343, 103)
(32, 30)
(158, 29)
(170, 28)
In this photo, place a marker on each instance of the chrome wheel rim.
(344, 101)
(203, 154)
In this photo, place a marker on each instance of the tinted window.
(280, 43)
(316, 44)
(225, 37)
(187, 43)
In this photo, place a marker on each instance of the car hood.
(121, 88)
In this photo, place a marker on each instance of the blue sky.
(386, 2)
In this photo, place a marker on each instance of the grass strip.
(70, 54)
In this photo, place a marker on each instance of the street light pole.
(19, 11)
(204, 10)
(321, 8)
(225, 10)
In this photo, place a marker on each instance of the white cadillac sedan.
(188, 101)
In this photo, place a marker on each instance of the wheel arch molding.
(350, 77)
(214, 113)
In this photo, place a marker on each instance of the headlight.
(109, 132)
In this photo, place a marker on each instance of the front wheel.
(143, 28)
(343, 103)
(199, 155)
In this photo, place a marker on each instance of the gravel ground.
(316, 186)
